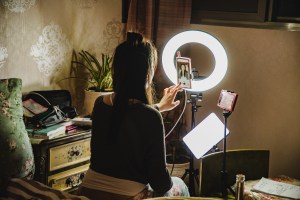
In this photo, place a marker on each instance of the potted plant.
(99, 73)
(98, 76)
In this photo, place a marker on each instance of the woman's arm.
(155, 158)
(167, 102)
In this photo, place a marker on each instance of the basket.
(178, 170)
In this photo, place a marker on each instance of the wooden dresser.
(61, 163)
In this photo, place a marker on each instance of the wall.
(264, 70)
(37, 38)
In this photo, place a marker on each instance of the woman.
(127, 144)
(184, 76)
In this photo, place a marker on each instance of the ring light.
(205, 39)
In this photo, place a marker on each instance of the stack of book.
(54, 131)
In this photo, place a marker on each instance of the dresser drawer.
(68, 179)
(69, 154)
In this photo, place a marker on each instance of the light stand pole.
(224, 174)
(193, 173)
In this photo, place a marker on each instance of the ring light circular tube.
(205, 39)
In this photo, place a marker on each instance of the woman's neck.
(109, 100)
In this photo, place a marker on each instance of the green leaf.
(99, 72)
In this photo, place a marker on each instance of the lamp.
(197, 86)
(205, 39)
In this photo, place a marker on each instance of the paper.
(277, 188)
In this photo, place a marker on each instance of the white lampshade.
(205, 39)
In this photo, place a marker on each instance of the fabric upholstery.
(29, 189)
(16, 155)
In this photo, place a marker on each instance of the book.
(277, 188)
(51, 131)
(81, 121)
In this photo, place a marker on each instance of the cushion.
(30, 189)
(16, 155)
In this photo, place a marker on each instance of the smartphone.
(183, 68)
(227, 100)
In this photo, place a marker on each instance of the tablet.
(205, 135)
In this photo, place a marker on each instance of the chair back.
(253, 163)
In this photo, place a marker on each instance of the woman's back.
(139, 152)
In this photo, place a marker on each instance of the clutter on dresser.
(47, 108)
(61, 147)
(50, 132)
(47, 114)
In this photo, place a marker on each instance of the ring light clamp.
(205, 39)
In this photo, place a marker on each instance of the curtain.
(159, 20)
(141, 16)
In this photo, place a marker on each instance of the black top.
(139, 154)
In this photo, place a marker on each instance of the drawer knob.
(75, 152)
(75, 180)
(69, 181)
(81, 176)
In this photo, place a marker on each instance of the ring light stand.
(193, 173)
(198, 86)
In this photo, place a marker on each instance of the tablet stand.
(224, 174)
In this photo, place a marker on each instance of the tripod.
(224, 174)
(193, 173)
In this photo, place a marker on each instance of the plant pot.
(89, 101)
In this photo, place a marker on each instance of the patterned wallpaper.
(37, 37)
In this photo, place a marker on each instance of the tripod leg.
(191, 184)
(224, 184)
(197, 180)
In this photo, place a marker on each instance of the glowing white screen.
(205, 135)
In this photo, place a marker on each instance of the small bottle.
(239, 192)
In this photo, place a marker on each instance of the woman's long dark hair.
(133, 67)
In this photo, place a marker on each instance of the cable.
(184, 105)
(36, 93)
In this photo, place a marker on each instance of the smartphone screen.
(183, 67)
(227, 100)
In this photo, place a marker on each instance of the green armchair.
(16, 155)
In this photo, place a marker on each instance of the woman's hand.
(167, 102)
